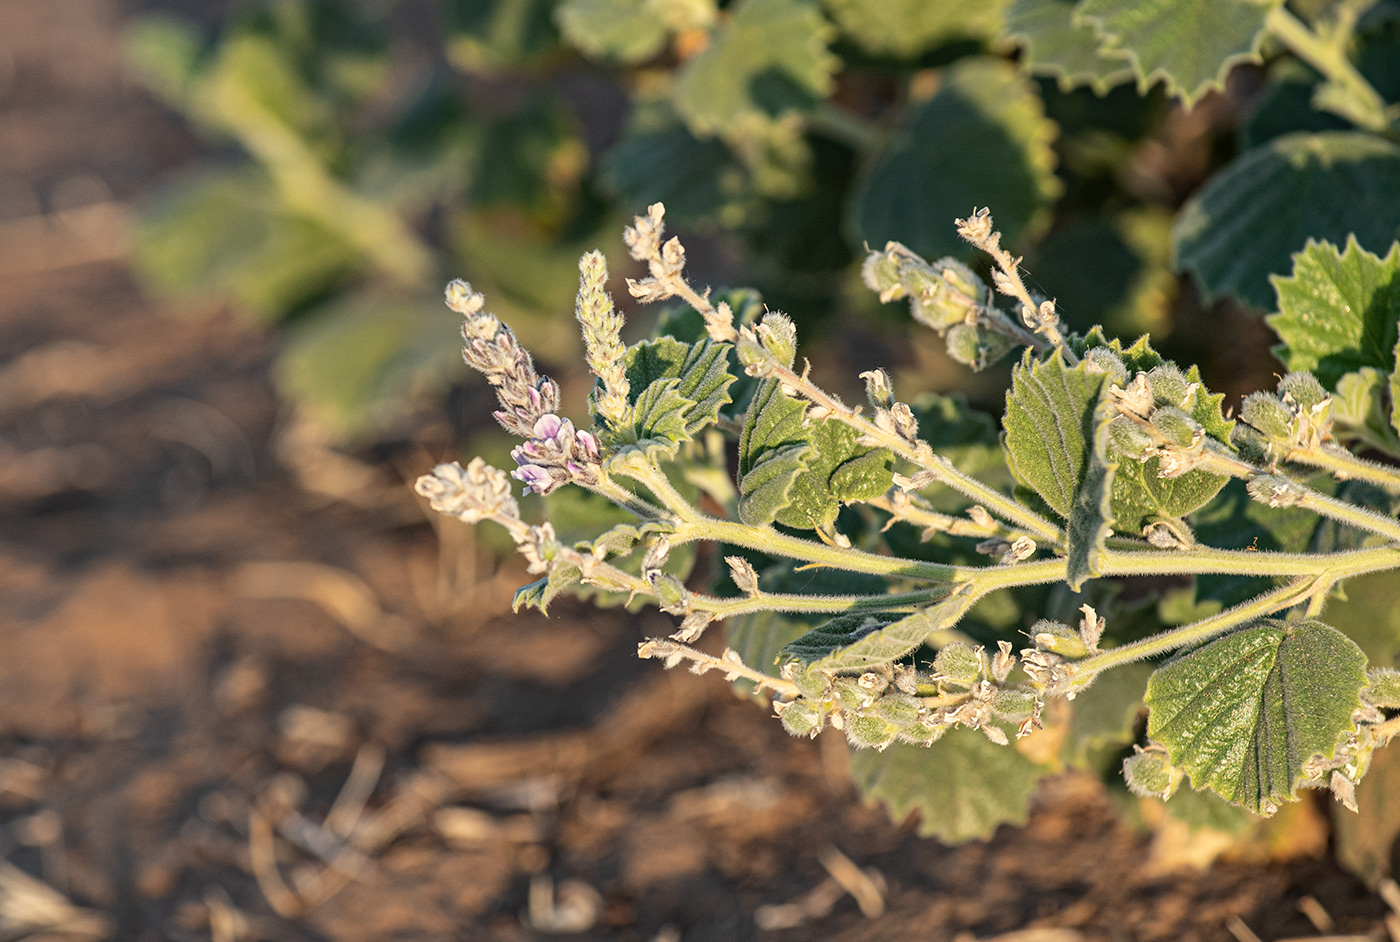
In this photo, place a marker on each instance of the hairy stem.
(1196, 632)
(1346, 466)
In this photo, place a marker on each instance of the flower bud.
(1169, 386)
(779, 337)
(800, 718)
(1303, 388)
(1270, 417)
(1058, 637)
(1013, 704)
(1251, 443)
(880, 272)
(1150, 775)
(923, 733)
(869, 732)
(1176, 427)
(878, 388)
(669, 591)
(959, 663)
(1104, 360)
(900, 709)
(848, 692)
(1130, 439)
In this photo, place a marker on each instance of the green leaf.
(836, 471)
(1049, 426)
(1091, 514)
(860, 641)
(227, 234)
(540, 593)
(1053, 44)
(1243, 714)
(773, 451)
(1191, 44)
(702, 370)
(963, 786)
(1338, 310)
(163, 51)
(1105, 715)
(1260, 209)
(768, 60)
(624, 30)
(1362, 410)
(905, 28)
(985, 114)
(658, 420)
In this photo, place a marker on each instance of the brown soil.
(197, 653)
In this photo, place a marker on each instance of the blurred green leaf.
(1191, 44)
(962, 786)
(934, 168)
(624, 30)
(1054, 44)
(769, 60)
(163, 52)
(1338, 310)
(227, 234)
(905, 28)
(1252, 216)
(1106, 714)
(357, 365)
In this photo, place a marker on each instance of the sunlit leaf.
(1244, 713)
(1338, 310)
(861, 641)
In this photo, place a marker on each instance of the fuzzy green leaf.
(1191, 44)
(701, 368)
(624, 30)
(905, 28)
(1338, 310)
(1253, 215)
(1049, 426)
(861, 641)
(1361, 408)
(658, 420)
(1053, 44)
(837, 471)
(963, 786)
(759, 637)
(773, 451)
(1243, 714)
(985, 114)
(770, 59)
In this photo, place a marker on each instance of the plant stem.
(1362, 104)
(1344, 465)
(1265, 604)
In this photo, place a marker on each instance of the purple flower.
(536, 478)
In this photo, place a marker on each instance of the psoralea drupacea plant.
(866, 546)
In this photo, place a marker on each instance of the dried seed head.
(870, 732)
(744, 575)
(1275, 490)
(878, 388)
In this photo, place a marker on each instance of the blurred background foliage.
(364, 152)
